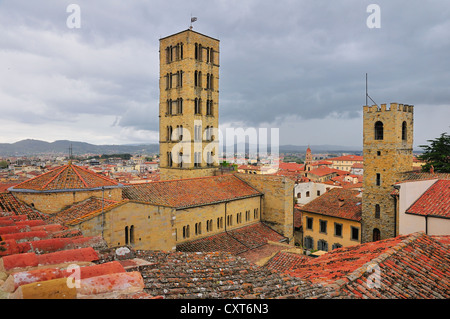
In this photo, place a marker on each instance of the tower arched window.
(404, 135)
(379, 130)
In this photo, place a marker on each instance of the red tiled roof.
(236, 241)
(4, 186)
(319, 163)
(419, 175)
(412, 267)
(291, 166)
(443, 239)
(38, 269)
(324, 170)
(79, 211)
(434, 202)
(358, 165)
(191, 191)
(286, 260)
(217, 275)
(66, 177)
(346, 158)
(337, 202)
(10, 204)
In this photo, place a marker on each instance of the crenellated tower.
(387, 150)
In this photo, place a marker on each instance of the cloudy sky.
(294, 65)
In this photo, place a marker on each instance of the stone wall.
(139, 225)
(171, 173)
(53, 202)
(278, 201)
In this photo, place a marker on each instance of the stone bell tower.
(188, 105)
(387, 150)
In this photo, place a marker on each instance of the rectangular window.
(378, 182)
(354, 233)
(309, 243)
(309, 223)
(323, 226)
(337, 230)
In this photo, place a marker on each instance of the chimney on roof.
(340, 201)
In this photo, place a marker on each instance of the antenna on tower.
(70, 153)
(367, 94)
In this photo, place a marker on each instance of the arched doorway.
(376, 234)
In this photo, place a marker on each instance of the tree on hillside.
(4, 164)
(437, 154)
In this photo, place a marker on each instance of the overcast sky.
(294, 65)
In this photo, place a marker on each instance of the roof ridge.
(180, 179)
(358, 272)
(77, 173)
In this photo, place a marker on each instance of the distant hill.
(31, 147)
(36, 147)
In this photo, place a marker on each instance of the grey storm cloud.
(282, 62)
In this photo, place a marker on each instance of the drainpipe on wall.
(225, 221)
(103, 215)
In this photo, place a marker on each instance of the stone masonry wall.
(278, 201)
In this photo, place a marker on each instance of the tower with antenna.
(189, 105)
(387, 151)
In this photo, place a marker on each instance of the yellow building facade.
(322, 232)
(332, 220)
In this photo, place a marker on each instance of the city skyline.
(299, 67)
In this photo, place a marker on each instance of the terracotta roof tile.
(285, 260)
(9, 205)
(346, 158)
(236, 241)
(434, 202)
(66, 177)
(191, 192)
(212, 275)
(414, 266)
(37, 268)
(337, 202)
(419, 175)
(80, 210)
(294, 167)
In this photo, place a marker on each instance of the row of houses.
(333, 218)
